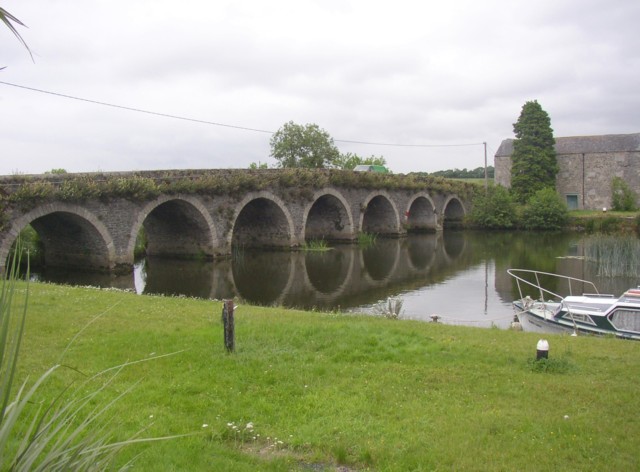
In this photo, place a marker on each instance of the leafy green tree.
(350, 160)
(534, 164)
(545, 210)
(623, 198)
(308, 146)
(494, 210)
(258, 165)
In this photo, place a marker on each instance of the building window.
(572, 202)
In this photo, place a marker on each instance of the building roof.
(585, 144)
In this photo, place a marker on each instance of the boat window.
(579, 317)
(626, 320)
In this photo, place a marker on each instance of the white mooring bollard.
(542, 349)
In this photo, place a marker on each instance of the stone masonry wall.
(194, 223)
(586, 175)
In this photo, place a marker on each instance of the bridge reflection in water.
(346, 278)
(460, 276)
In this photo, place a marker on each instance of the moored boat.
(583, 309)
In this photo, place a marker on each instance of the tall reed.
(614, 255)
(317, 245)
(367, 239)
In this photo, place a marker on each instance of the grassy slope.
(367, 392)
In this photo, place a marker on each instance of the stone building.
(587, 166)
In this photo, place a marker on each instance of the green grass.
(326, 390)
(603, 214)
(609, 222)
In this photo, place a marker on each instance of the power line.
(139, 110)
(213, 123)
(408, 145)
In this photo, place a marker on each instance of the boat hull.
(592, 312)
(539, 317)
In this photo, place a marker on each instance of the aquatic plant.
(316, 245)
(367, 239)
(614, 255)
(390, 308)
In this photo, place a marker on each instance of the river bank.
(318, 391)
(617, 222)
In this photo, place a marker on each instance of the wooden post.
(228, 323)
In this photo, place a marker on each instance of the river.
(461, 277)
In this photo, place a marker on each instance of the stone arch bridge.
(92, 221)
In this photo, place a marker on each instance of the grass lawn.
(318, 391)
(603, 214)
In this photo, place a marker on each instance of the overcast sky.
(439, 78)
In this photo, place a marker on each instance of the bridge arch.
(71, 235)
(328, 217)
(421, 214)
(175, 226)
(453, 212)
(263, 220)
(379, 214)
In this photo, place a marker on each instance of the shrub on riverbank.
(545, 211)
(498, 209)
(311, 391)
(495, 209)
(623, 198)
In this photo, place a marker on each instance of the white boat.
(583, 310)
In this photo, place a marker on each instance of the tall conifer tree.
(533, 163)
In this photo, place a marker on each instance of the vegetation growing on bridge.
(28, 191)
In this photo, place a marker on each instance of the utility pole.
(486, 175)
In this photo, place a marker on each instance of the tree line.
(477, 173)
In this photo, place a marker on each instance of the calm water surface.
(459, 276)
